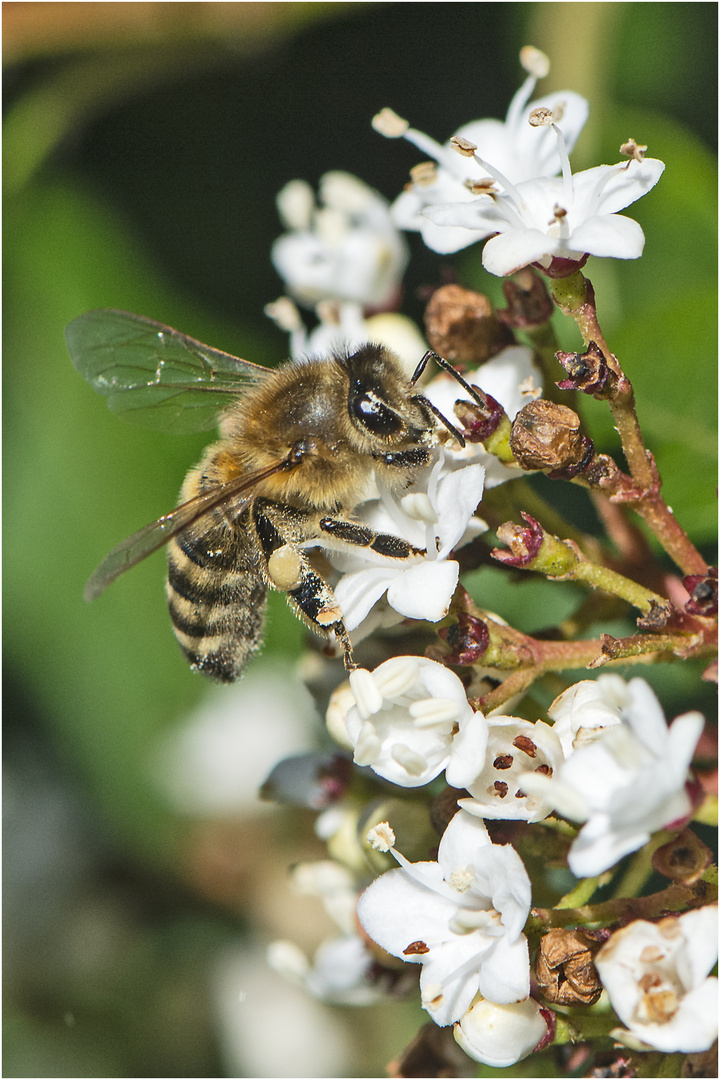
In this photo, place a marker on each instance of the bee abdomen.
(217, 601)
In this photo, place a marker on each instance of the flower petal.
(609, 236)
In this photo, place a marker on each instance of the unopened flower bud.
(564, 967)
(547, 436)
(684, 859)
(462, 326)
(528, 300)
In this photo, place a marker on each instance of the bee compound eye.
(372, 413)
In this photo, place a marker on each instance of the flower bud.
(547, 436)
(564, 967)
(462, 326)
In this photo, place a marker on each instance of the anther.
(389, 124)
(463, 146)
(535, 62)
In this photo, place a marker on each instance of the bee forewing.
(155, 535)
(154, 375)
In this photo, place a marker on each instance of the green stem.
(582, 892)
(640, 869)
(575, 297)
(676, 897)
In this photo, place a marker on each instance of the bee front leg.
(349, 532)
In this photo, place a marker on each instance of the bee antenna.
(443, 419)
(447, 366)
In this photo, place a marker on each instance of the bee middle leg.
(279, 530)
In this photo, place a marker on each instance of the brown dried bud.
(467, 639)
(588, 371)
(462, 326)
(703, 589)
(528, 300)
(564, 967)
(684, 859)
(433, 1052)
(547, 436)
(657, 617)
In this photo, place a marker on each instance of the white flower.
(514, 746)
(626, 784)
(567, 218)
(435, 514)
(213, 763)
(347, 249)
(411, 719)
(519, 151)
(461, 917)
(338, 974)
(500, 1035)
(656, 975)
(342, 327)
(333, 885)
(584, 710)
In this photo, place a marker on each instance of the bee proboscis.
(299, 447)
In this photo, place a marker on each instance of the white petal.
(700, 932)
(459, 494)
(627, 183)
(356, 593)
(424, 591)
(396, 911)
(467, 756)
(461, 841)
(505, 972)
(515, 248)
(609, 236)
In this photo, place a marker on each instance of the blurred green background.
(144, 146)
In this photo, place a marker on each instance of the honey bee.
(300, 446)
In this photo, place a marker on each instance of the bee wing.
(154, 375)
(153, 536)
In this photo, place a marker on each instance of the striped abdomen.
(216, 596)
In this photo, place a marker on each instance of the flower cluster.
(493, 797)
